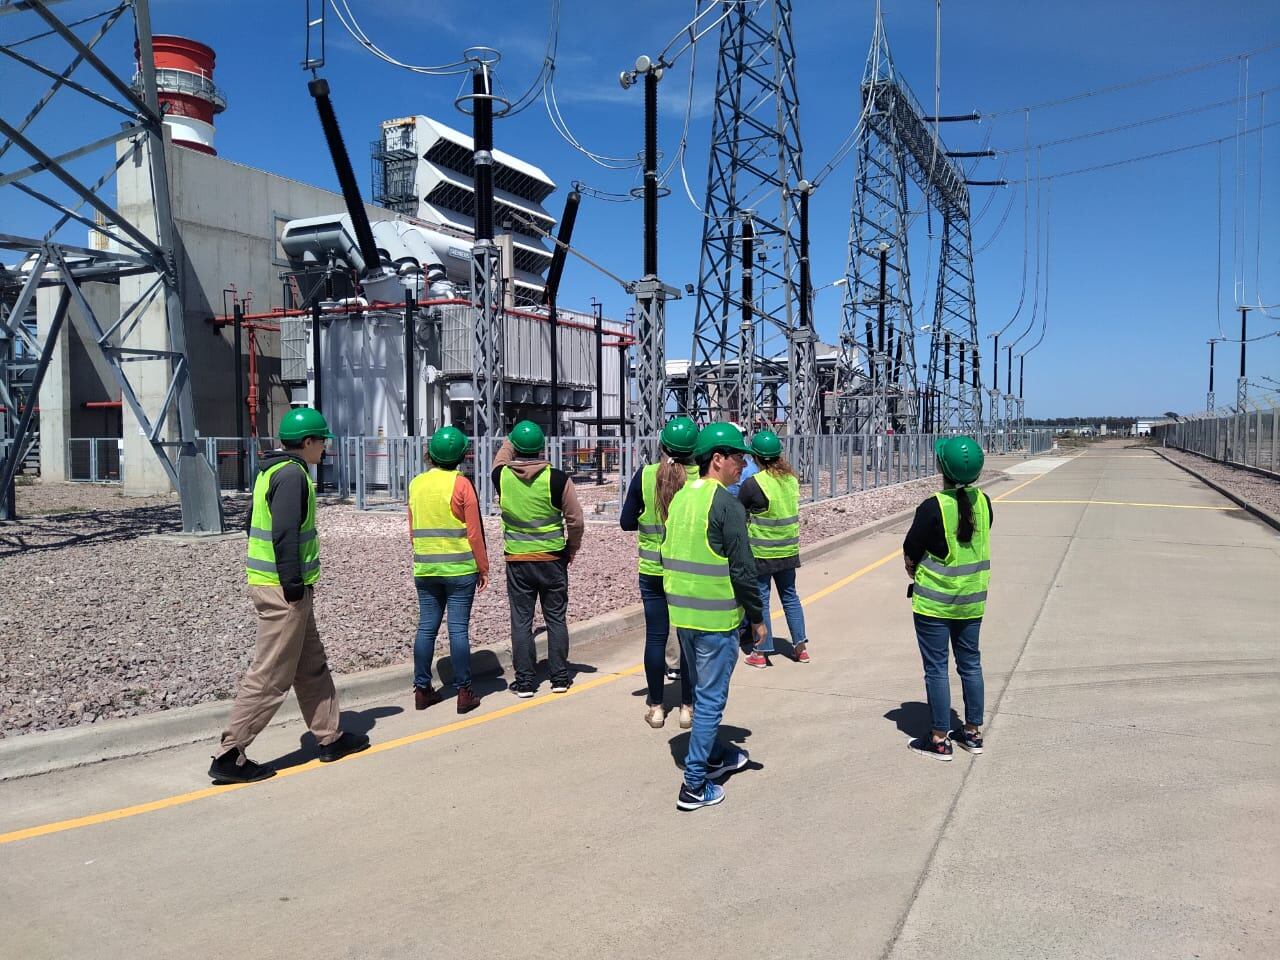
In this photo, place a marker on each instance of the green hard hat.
(526, 436)
(448, 446)
(719, 437)
(302, 422)
(680, 435)
(959, 458)
(766, 445)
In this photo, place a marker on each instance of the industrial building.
(279, 254)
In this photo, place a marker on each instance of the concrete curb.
(1249, 506)
(36, 753)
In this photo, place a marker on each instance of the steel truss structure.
(878, 386)
(145, 251)
(752, 369)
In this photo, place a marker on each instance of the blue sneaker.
(712, 793)
(732, 761)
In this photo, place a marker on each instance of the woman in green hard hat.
(947, 553)
(645, 511)
(772, 500)
(450, 564)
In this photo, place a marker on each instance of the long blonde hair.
(671, 477)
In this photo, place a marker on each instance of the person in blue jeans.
(772, 501)
(449, 564)
(947, 553)
(645, 511)
(709, 577)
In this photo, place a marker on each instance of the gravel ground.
(1257, 489)
(100, 619)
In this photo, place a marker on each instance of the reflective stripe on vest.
(440, 544)
(954, 587)
(530, 522)
(775, 534)
(696, 578)
(260, 554)
(651, 527)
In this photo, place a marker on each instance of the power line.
(352, 26)
(1137, 123)
(1158, 153)
(1154, 78)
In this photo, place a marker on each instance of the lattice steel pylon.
(755, 170)
(877, 384)
(143, 251)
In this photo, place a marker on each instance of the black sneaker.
(710, 795)
(345, 745)
(970, 740)
(234, 767)
(732, 761)
(927, 746)
(673, 673)
(561, 686)
(523, 691)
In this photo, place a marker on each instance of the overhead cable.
(1142, 81)
(1137, 123)
(352, 26)
(1158, 153)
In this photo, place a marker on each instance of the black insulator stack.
(319, 90)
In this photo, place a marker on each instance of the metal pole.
(410, 367)
(554, 273)
(747, 344)
(599, 312)
(651, 172)
(237, 313)
(317, 379)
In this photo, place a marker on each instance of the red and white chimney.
(184, 88)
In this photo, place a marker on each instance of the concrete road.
(1125, 807)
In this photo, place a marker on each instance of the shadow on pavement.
(728, 735)
(354, 721)
(914, 720)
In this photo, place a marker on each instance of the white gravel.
(1261, 491)
(100, 619)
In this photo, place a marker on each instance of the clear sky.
(1132, 256)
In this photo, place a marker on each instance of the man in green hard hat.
(542, 527)
(283, 566)
(450, 564)
(709, 576)
(947, 554)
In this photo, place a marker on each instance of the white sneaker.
(686, 717)
(655, 716)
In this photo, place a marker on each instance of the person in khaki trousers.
(283, 566)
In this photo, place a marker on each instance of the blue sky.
(1134, 249)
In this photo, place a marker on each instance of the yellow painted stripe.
(1127, 503)
(122, 813)
(185, 798)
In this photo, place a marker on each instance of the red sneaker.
(803, 656)
(759, 660)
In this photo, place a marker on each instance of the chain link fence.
(95, 460)
(1250, 438)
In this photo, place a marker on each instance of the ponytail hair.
(778, 467)
(964, 527)
(671, 477)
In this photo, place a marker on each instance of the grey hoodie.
(563, 497)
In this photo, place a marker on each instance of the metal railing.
(95, 460)
(1249, 438)
(375, 471)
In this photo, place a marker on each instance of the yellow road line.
(1127, 503)
(122, 813)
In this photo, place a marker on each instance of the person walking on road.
(542, 528)
(947, 553)
(282, 567)
(645, 510)
(772, 500)
(450, 564)
(709, 577)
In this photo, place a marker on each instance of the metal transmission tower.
(877, 384)
(754, 179)
(138, 254)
